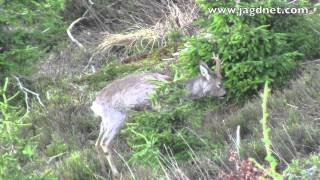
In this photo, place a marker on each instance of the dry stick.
(98, 176)
(26, 91)
(75, 22)
(291, 2)
(70, 35)
(56, 156)
(89, 62)
(90, 2)
(238, 140)
(126, 163)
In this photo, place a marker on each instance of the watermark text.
(261, 10)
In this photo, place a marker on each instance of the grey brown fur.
(133, 92)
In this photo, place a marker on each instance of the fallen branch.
(70, 35)
(26, 91)
(25, 94)
(89, 62)
(97, 176)
(75, 22)
(54, 157)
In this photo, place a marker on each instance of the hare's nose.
(224, 93)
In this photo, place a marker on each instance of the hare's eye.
(218, 84)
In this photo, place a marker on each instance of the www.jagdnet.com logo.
(261, 10)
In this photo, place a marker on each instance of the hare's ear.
(204, 70)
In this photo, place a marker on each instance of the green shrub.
(254, 49)
(75, 167)
(308, 168)
(167, 131)
(28, 28)
(266, 138)
(15, 150)
(57, 146)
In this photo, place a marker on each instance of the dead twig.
(70, 34)
(75, 22)
(55, 156)
(26, 91)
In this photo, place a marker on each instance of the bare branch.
(26, 91)
(70, 35)
(56, 156)
(91, 2)
(75, 22)
(238, 140)
(89, 62)
(97, 176)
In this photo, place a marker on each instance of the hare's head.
(212, 84)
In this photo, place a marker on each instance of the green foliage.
(294, 131)
(308, 168)
(75, 167)
(15, 151)
(57, 146)
(254, 49)
(27, 29)
(166, 131)
(175, 35)
(273, 163)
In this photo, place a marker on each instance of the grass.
(63, 134)
(70, 128)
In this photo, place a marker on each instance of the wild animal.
(133, 92)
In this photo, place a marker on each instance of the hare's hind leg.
(99, 149)
(107, 139)
(100, 136)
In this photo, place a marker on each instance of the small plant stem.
(271, 171)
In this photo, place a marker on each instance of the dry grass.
(294, 119)
(122, 29)
(128, 40)
(141, 37)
